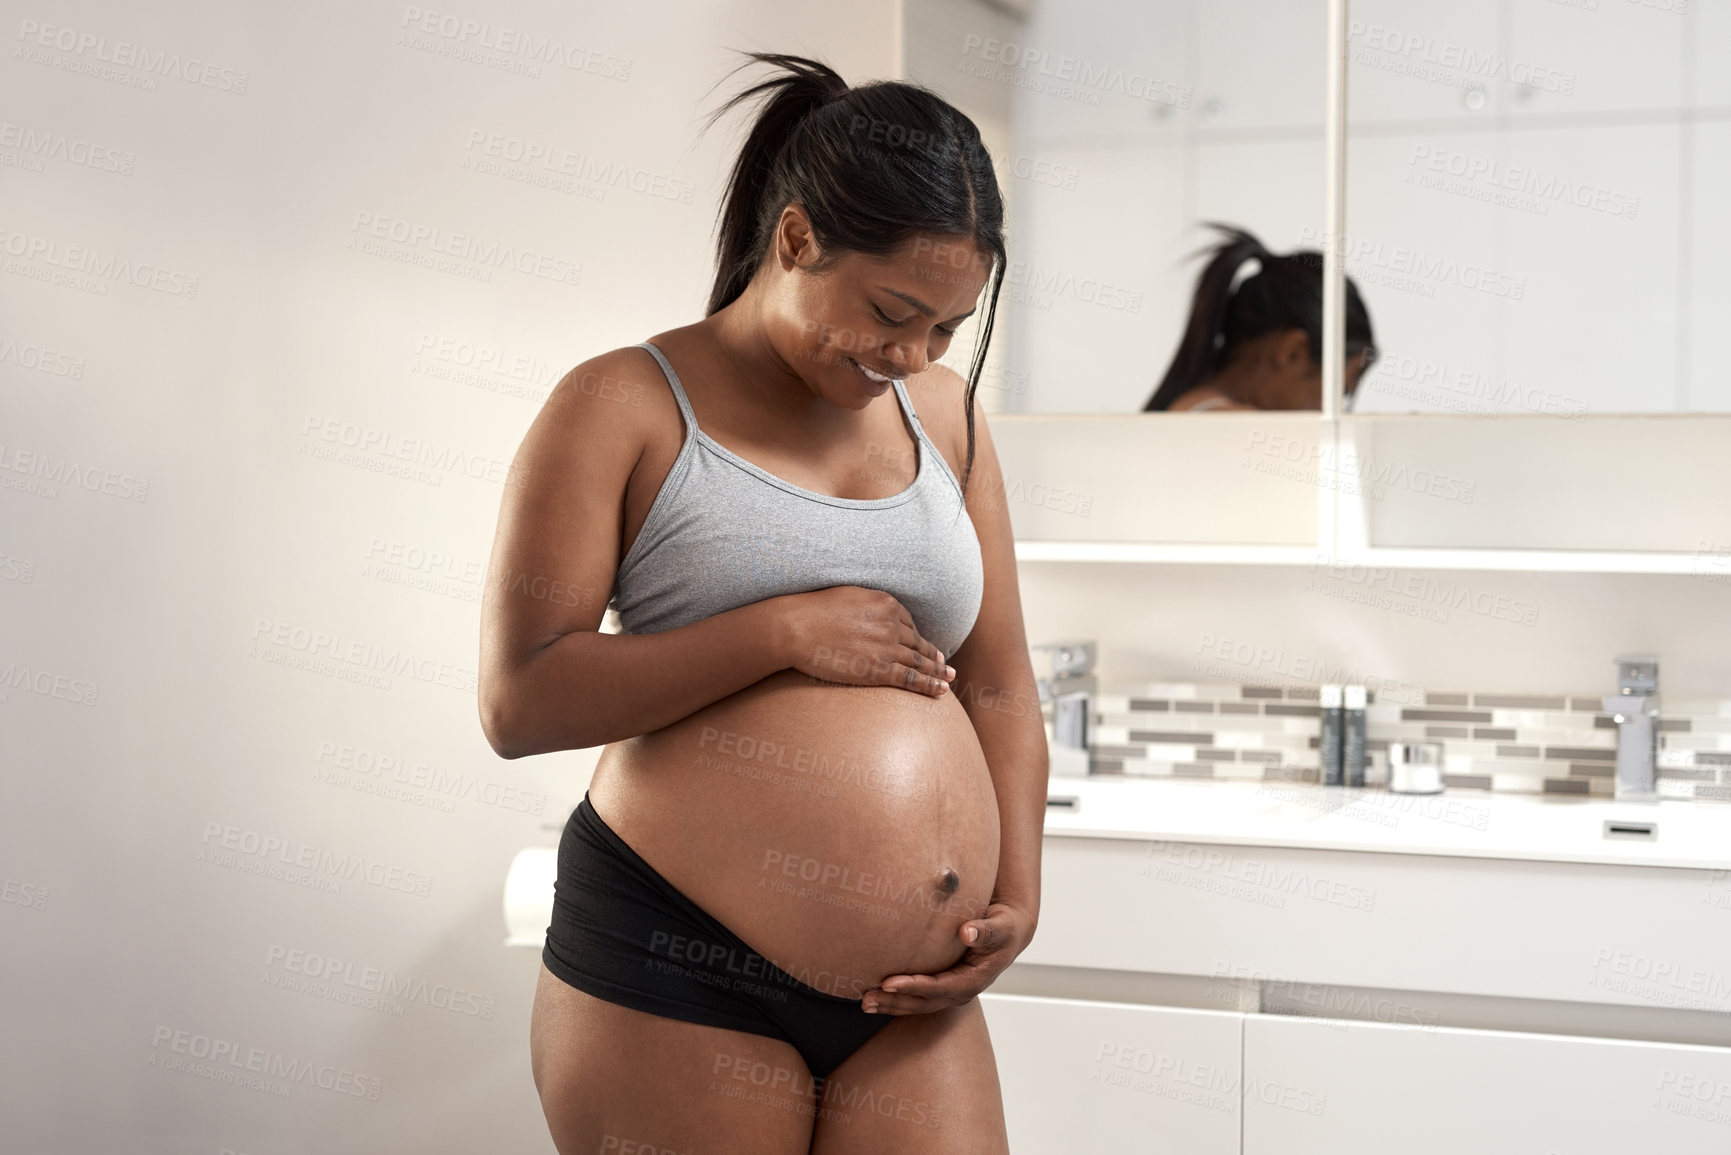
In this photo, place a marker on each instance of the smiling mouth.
(872, 374)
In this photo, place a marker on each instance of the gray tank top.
(723, 533)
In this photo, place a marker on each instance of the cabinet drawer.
(1083, 1076)
(1333, 1087)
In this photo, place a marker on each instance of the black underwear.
(623, 933)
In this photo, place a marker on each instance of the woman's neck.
(742, 341)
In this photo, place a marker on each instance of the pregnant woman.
(814, 834)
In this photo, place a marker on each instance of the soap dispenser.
(1352, 745)
(1330, 734)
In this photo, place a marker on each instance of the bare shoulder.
(1206, 399)
(937, 396)
(610, 391)
(606, 411)
(578, 456)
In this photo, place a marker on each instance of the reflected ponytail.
(1284, 293)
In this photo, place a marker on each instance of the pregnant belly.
(844, 832)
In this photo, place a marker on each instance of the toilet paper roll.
(529, 896)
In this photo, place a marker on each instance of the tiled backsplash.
(1528, 743)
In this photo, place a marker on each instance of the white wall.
(149, 712)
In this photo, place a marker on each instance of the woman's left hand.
(993, 943)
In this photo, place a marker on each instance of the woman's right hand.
(863, 637)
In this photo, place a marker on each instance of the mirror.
(1119, 129)
(1534, 204)
(1530, 227)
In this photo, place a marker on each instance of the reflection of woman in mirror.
(1257, 344)
(813, 836)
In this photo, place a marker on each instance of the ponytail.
(804, 87)
(873, 166)
(1285, 293)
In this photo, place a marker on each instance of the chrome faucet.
(1635, 709)
(1068, 685)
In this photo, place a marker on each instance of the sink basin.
(1471, 823)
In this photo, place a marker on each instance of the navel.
(948, 881)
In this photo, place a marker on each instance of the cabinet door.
(1332, 1087)
(1081, 1076)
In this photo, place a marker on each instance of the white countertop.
(1476, 824)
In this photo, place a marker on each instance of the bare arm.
(588, 688)
(549, 679)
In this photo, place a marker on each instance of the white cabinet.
(1316, 1087)
(1398, 940)
(1262, 64)
(1553, 931)
(1083, 1076)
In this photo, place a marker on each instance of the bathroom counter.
(1482, 896)
(1551, 828)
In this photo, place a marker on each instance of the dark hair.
(873, 166)
(1285, 293)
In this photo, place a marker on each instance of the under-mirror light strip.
(1386, 557)
(1528, 560)
(1195, 553)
